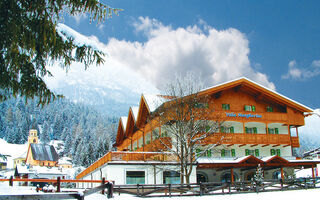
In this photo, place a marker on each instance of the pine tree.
(30, 40)
(258, 177)
(45, 133)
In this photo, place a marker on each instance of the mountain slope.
(111, 87)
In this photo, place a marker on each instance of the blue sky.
(276, 43)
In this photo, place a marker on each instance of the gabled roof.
(274, 159)
(259, 88)
(124, 122)
(44, 152)
(153, 101)
(135, 110)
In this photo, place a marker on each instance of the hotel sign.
(232, 114)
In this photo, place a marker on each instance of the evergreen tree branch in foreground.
(30, 40)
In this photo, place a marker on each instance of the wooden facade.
(260, 119)
(237, 95)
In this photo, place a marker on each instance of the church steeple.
(33, 136)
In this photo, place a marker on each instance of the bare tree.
(187, 121)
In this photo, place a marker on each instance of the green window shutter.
(223, 153)
(209, 153)
(253, 108)
(246, 108)
(222, 129)
(255, 130)
(268, 130)
(208, 128)
(276, 130)
(231, 129)
(233, 152)
(223, 106)
(278, 152)
(228, 106)
(198, 152)
(257, 152)
(246, 129)
(272, 152)
(247, 152)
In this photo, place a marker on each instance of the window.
(254, 152)
(135, 177)
(227, 129)
(269, 109)
(198, 152)
(249, 108)
(228, 153)
(155, 133)
(273, 130)
(251, 130)
(171, 177)
(201, 105)
(164, 134)
(208, 153)
(225, 106)
(275, 152)
(135, 145)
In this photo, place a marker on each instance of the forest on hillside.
(87, 133)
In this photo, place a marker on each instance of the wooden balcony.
(159, 144)
(128, 156)
(252, 139)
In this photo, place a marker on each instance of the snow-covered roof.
(265, 159)
(237, 79)
(65, 161)
(39, 170)
(44, 152)
(135, 111)
(153, 101)
(124, 122)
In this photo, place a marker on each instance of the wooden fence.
(63, 195)
(215, 188)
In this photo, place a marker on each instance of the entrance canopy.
(252, 161)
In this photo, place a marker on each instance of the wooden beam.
(232, 179)
(241, 145)
(312, 168)
(237, 88)
(276, 145)
(254, 145)
(286, 145)
(217, 95)
(230, 145)
(265, 145)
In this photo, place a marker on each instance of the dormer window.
(249, 108)
(201, 105)
(225, 106)
(269, 109)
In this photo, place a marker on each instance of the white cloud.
(219, 55)
(315, 63)
(79, 17)
(302, 73)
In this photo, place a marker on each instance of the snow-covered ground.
(292, 195)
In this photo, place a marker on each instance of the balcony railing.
(128, 156)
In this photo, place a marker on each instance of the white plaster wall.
(117, 173)
(263, 151)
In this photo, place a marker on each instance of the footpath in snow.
(283, 195)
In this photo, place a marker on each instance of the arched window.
(249, 176)
(226, 177)
(202, 177)
(277, 174)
